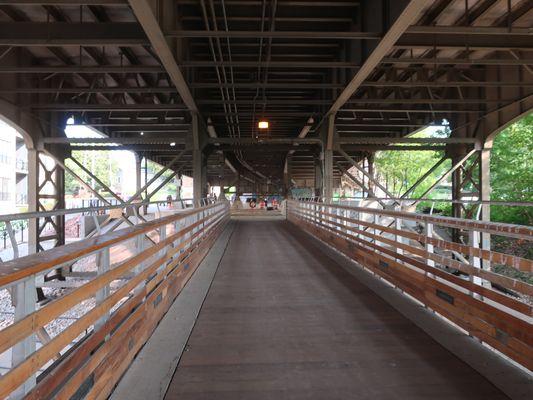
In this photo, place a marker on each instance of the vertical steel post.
(484, 195)
(104, 261)
(398, 226)
(24, 294)
(33, 171)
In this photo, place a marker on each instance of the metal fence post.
(429, 246)
(140, 246)
(474, 238)
(103, 266)
(398, 238)
(429, 235)
(25, 303)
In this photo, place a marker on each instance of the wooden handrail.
(495, 228)
(425, 255)
(502, 321)
(161, 279)
(22, 267)
(519, 263)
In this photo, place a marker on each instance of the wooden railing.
(115, 312)
(456, 280)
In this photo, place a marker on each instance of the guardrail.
(117, 213)
(116, 311)
(453, 279)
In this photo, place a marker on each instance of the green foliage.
(99, 163)
(171, 188)
(399, 170)
(511, 171)
(16, 225)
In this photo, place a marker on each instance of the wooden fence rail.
(126, 300)
(455, 280)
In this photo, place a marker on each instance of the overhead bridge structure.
(326, 298)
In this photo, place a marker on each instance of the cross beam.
(72, 34)
(146, 17)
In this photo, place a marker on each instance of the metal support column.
(24, 299)
(318, 175)
(138, 172)
(484, 195)
(33, 171)
(328, 158)
(287, 176)
(199, 175)
(199, 162)
(328, 174)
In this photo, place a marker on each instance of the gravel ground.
(56, 326)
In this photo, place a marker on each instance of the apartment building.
(13, 171)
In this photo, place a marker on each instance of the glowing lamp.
(262, 125)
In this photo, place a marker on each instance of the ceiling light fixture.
(262, 124)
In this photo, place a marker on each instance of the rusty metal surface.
(282, 320)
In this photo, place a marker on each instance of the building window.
(4, 158)
(4, 189)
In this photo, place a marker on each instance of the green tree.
(399, 170)
(511, 171)
(171, 188)
(99, 163)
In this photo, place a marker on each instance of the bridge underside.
(284, 320)
(184, 83)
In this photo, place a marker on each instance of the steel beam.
(268, 34)
(84, 90)
(248, 102)
(383, 147)
(405, 110)
(384, 83)
(463, 31)
(387, 140)
(270, 64)
(457, 61)
(107, 107)
(423, 178)
(100, 69)
(156, 176)
(146, 17)
(71, 34)
(406, 18)
(471, 41)
(118, 140)
(370, 177)
(165, 149)
(360, 184)
(266, 141)
(445, 175)
(484, 195)
(65, 2)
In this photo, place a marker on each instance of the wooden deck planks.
(283, 321)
